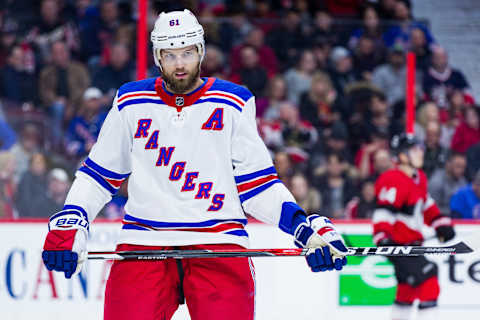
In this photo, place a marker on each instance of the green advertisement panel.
(366, 281)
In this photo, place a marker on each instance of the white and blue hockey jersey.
(195, 164)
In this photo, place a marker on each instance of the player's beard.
(181, 85)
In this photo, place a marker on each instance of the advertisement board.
(285, 287)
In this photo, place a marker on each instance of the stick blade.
(462, 247)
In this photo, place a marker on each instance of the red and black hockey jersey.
(403, 206)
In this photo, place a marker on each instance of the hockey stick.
(460, 247)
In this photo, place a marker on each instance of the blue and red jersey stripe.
(251, 184)
(109, 180)
(227, 226)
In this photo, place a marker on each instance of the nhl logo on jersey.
(179, 101)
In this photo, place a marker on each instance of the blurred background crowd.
(328, 76)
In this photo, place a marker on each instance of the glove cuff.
(441, 221)
(69, 220)
(302, 234)
(291, 216)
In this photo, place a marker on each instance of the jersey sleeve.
(432, 216)
(105, 169)
(261, 192)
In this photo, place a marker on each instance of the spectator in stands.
(211, 26)
(284, 166)
(390, 77)
(378, 118)
(119, 71)
(296, 133)
(302, 7)
(29, 142)
(251, 74)
(214, 62)
(366, 58)
(271, 132)
(335, 186)
(7, 136)
(441, 79)
(360, 101)
(320, 105)
(468, 131)
(447, 180)
(7, 186)
(84, 128)
(266, 57)
(334, 140)
(51, 27)
(323, 27)
(99, 31)
(234, 31)
(32, 187)
(401, 32)
(61, 86)
(299, 78)
(80, 13)
(435, 154)
(306, 196)
(265, 16)
(364, 159)
(426, 113)
(276, 94)
(17, 85)
(386, 9)
(473, 165)
(452, 117)
(58, 185)
(321, 51)
(8, 38)
(455, 109)
(465, 203)
(371, 29)
(419, 46)
(341, 73)
(362, 207)
(287, 40)
(381, 162)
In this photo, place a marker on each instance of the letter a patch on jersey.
(215, 121)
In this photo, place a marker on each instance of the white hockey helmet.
(177, 29)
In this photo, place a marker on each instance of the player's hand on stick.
(445, 233)
(326, 247)
(65, 247)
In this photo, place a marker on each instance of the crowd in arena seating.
(329, 81)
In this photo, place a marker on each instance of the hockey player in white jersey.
(195, 164)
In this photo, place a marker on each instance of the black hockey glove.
(445, 233)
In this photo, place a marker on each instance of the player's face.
(180, 68)
(415, 155)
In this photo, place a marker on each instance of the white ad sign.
(285, 287)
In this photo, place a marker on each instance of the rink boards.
(285, 287)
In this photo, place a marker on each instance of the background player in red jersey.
(403, 206)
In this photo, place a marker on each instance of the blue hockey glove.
(326, 247)
(65, 247)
